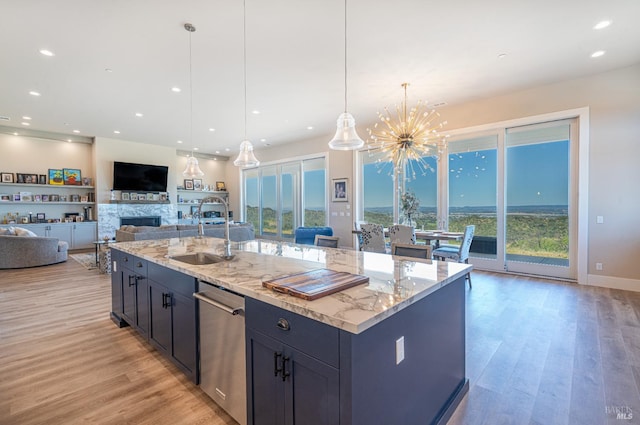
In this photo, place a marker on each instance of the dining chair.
(400, 233)
(457, 253)
(326, 241)
(411, 250)
(356, 225)
(373, 238)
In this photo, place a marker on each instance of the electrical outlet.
(399, 350)
(598, 266)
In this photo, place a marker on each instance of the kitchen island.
(388, 352)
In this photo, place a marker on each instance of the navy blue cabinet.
(173, 317)
(117, 307)
(134, 292)
(287, 384)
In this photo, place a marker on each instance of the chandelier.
(408, 139)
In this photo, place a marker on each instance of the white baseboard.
(613, 282)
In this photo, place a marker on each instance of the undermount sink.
(200, 258)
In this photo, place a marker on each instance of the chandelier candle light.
(410, 138)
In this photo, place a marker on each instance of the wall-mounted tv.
(142, 177)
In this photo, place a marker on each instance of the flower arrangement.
(409, 204)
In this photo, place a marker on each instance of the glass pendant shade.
(246, 158)
(346, 137)
(192, 170)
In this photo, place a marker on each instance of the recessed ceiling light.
(138, 114)
(116, 131)
(26, 118)
(180, 142)
(502, 55)
(602, 24)
(176, 89)
(15, 133)
(108, 70)
(215, 159)
(212, 129)
(227, 149)
(310, 128)
(46, 52)
(195, 149)
(69, 140)
(263, 140)
(25, 123)
(255, 112)
(34, 93)
(598, 54)
(217, 151)
(76, 131)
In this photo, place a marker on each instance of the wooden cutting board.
(314, 284)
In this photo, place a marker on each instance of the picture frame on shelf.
(84, 199)
(21, 178)
(40, 217)
(155, 196)
(163, 196)
(197, 184)
(188, 184)
(75, 198)
(16, 197)
(149, 197)
(56, 177)
(64, 198)
(54, 198)
(125, 196)
(221, 187)
(7, 177)
(26, 197)
(87, 181)
(133, 196)
(45, 198)
(194, 211)
(37, 198)
(34, 179)
(72, 177)
(5, 197)
(42, 179)
(339, 190)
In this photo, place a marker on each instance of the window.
(280, 197)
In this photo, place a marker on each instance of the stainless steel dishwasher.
(222, 349)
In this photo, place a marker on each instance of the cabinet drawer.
(173, 280)
(135, 264)
(309, 336)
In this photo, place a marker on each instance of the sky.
(537, 174)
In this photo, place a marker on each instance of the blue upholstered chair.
(307, 235)
(457, 253)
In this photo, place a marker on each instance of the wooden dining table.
(428, 235)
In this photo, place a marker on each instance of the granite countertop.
(393, 283)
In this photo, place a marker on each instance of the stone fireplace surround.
(109, 215)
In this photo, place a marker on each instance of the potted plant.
(409, 204)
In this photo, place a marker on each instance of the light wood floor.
(538, 352)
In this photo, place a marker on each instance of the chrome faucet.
(227, 241)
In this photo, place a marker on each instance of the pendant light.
(346, 137)
(192, 170)
(245, 158)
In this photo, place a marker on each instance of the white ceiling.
(447, 50)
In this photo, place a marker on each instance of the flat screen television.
(142, 177)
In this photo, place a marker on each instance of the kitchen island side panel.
(427, 385)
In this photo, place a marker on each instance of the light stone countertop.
(393, 283)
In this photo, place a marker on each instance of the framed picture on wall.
(72, 177)
(55, 177)
(221, 187)
(42, 179)
(339, 190)
(197, 184)
(188, 184)
(7, 177)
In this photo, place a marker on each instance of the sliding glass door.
(540, 207)
(278, 198)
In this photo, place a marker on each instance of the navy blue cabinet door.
(289, 387)
(160, 317)
(184, 332)
(129, 296)
(116, 284)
